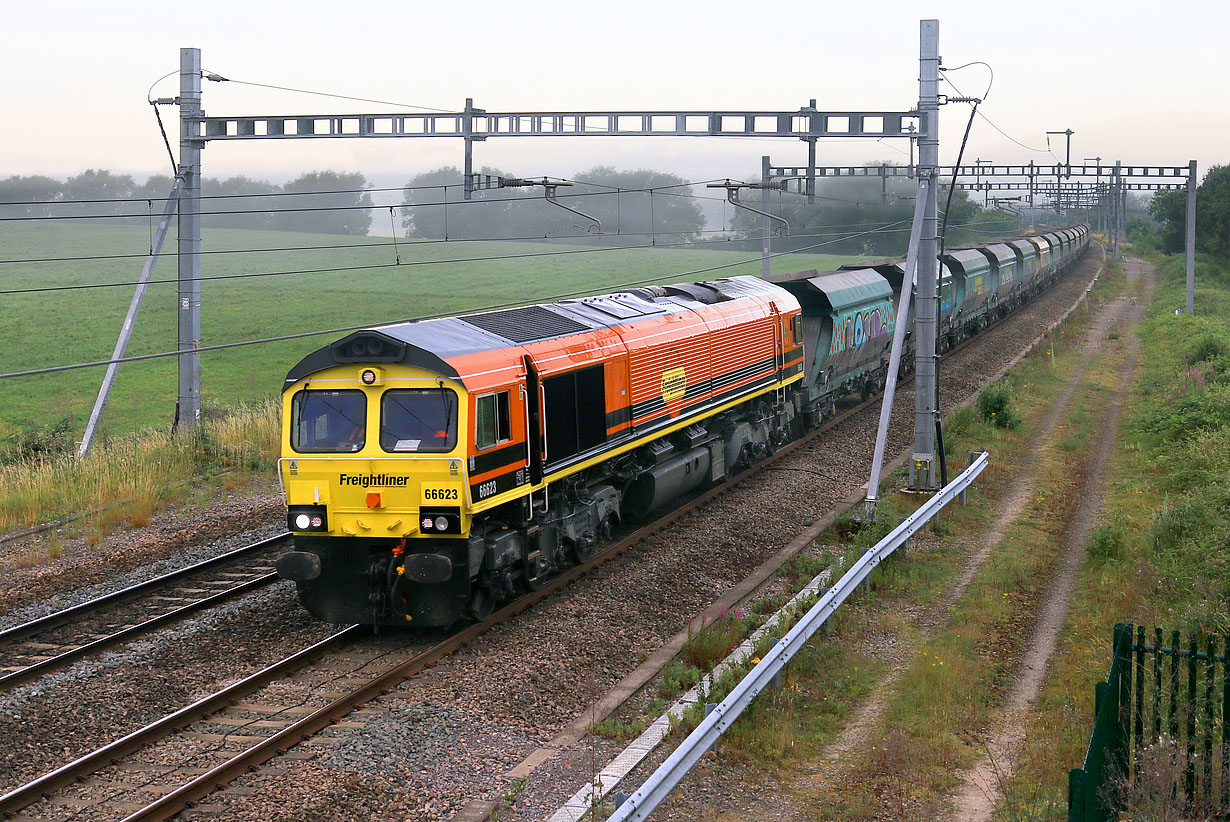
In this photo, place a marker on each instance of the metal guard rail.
(671, 772)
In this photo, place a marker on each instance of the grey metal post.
(1189, 244)
(467, 133)
(1115, 207)
(922, 464)
(130, 321)
(766, 228)
(189, 304)
(467, 128)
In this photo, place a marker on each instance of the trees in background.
(328, 202)
(30, 193)
(1169, 209)
(631, 204)
(867, 216)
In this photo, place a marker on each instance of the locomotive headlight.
(369, 377)
(307, 518)
(441, 524)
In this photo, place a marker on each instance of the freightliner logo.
(371, 480)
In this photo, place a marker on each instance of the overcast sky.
(1145, 82)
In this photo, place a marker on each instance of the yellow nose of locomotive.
(376, 453)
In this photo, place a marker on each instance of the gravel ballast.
(539, 672)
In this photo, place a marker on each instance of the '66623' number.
(442, 494)
(486, 489)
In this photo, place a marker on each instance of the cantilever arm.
(549, 192)
(732, 195)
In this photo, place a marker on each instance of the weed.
(515, 789)
(718, 639)
(619, 730)
(1106, 542)
(1208, 346)
(677, 677)
(996, 406)
(802, 568)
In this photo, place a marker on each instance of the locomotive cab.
(374, 474)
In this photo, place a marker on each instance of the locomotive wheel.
(580, 552)
(480, 605)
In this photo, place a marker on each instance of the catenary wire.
(373, 266)
(411, 244)
(371, 206)
(325, 192)
(305, 334)
(699, 246)
(1000, 130)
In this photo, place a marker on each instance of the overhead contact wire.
(305, 334)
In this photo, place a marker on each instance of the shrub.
(717, 639)
(1192, 403)
(1207, 347)
(32, 442)
(995, 405)
(1106, 542)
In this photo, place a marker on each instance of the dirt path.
(838, 758)
(979, 794)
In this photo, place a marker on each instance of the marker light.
(317, 521)
(303, 522)
(427, 523)
(441, 524)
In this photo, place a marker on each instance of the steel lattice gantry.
(471, 125)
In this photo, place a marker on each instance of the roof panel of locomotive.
(450, 337)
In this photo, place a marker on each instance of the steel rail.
(60, 660)
(42, 787)
(58, 618)
(218, 777)
(201, 786)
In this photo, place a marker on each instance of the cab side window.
(492, 420)
(796, 329)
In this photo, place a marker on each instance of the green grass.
(1161, 557)
(54, 328)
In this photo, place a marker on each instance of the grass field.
(62, 327)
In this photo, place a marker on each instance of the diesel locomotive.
(434, 468)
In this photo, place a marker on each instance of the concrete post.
(189, 303)
(1189, 244)
(922, 465)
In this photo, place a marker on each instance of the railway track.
(248, 724)
(253, 720)
(34, 648)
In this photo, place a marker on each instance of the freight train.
(435, 468)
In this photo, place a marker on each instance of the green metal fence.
(1161, 740)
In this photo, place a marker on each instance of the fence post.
(1076, 795)
(1225, 727)
(1190, 776)
(1123, 698)
(1207, 788)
